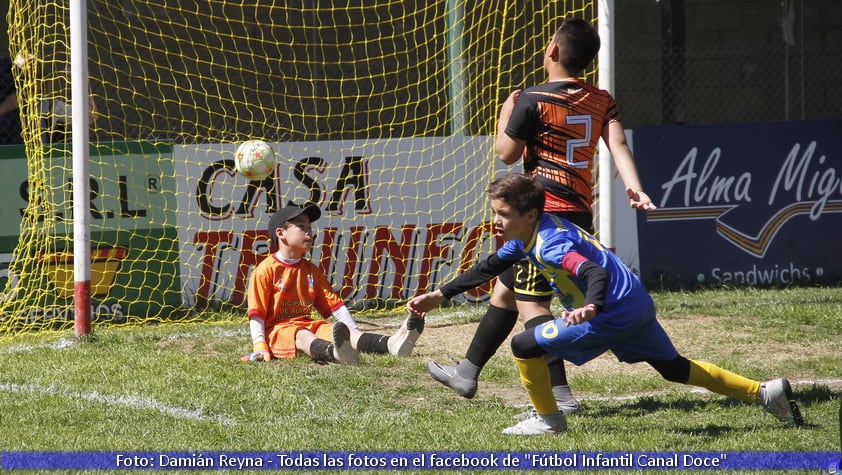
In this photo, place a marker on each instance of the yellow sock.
(721, 381)
(535, 376)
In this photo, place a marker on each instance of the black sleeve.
(597, 279)
(480, 273)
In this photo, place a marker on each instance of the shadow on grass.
(806, 396)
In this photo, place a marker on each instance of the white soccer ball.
(254, 159)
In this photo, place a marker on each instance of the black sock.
(322, 351)
(373, 343)
(492, 331)
(558, 375)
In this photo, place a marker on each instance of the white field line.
(55, 345)
(129, 401)
(137, 402)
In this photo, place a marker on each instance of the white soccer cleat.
(403, 341)
(536, 424)
(343, 352)
(566, 408)
(776, 397)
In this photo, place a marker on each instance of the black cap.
(290, 212)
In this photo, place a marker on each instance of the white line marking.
(132, 402)
(59, 344)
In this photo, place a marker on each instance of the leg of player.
(775, 395)
(343, 351)
(401, 343)
(492, 331)
(535, 376)
(533, 295)
(323, 351)
(534, 314)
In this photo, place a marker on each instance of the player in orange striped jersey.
(555, 128)
(285, 289)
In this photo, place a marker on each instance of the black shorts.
(526, 281)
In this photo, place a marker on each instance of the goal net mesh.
(382, 114)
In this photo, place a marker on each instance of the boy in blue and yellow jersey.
(554, 128)
(607, 309)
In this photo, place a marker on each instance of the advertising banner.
(134, 265)
(397, 216)
(742, 205)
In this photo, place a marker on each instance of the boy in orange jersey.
(285, 289)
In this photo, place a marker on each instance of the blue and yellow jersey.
(557, 249)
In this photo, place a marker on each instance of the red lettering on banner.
(477, 235)
(387, 266)
(433, 251)
(328, 235)
(352, 262)
(209, 240)
(330, 248)
(248, 259)
(385, 244)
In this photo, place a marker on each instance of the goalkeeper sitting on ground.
(285, 289)
(615, 314)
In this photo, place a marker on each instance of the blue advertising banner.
(742, 205)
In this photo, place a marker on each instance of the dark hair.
(578, 43)
(521, 192)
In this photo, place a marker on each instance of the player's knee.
(524, 345)
(676, 370)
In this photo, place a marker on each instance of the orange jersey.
(561, 123)
(278, 292)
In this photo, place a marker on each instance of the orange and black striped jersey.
(561, 123)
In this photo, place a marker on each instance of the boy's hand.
(640, 200)
(578, 315)
(260, 352)
(420, 305)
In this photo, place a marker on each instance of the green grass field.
(182, 388)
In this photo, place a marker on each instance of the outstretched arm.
(421, 304)
(615, 138)
(480, 273)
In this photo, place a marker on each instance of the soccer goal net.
(381, 113)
